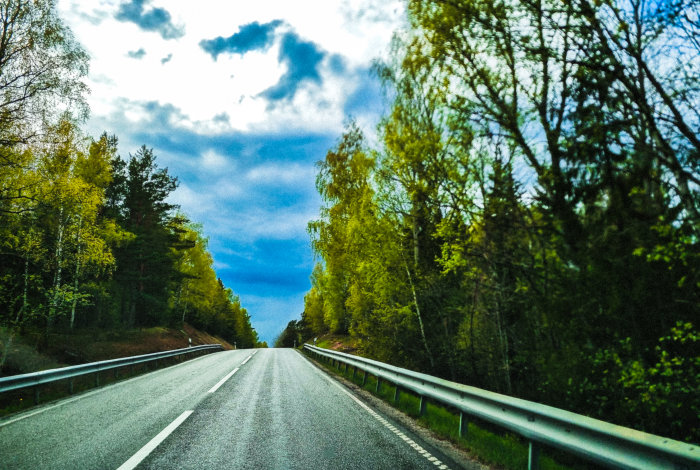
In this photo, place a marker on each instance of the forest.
(88, 238)
(527, 219)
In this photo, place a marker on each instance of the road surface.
(257, 409)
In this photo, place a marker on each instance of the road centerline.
(222, 381)
(138, 457)
(247, 359)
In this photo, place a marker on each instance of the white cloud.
(246, 226)
(194, 203)
(289, 174)
(214, 161)
(203, 88)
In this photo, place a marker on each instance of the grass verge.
(483, 441)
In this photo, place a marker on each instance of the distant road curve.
(257, 409)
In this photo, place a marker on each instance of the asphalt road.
(237, 409)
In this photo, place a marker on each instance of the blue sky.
(239, 100)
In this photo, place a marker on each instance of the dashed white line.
(138, 457)
(228, 376)
(388, 425)
(222, 381)
(153, 443)
(248, 358)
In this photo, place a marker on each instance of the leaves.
(532, 201)
(87, 238)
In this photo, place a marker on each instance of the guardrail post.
(354, 372)
(70, 387)
(364, 378)
(533, 459)
(379, 384)
(397, 394)
(423, 403)
(36, 395)
(97, 379)
(463, 424)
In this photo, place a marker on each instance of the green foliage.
(662, 393)
(41, 70)
(86, 237)
(528, 222)
(293, 335)
(89, 240)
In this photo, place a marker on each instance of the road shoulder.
(450, 450)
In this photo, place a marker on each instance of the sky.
(239, 100)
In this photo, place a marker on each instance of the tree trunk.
(77, 273)
(420, 319)
(53, 303)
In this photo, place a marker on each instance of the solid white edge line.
(222, 381)
(376, 415)
(153, 443)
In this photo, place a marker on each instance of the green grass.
(482, 441)
(324, 343)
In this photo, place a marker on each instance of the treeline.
(88, 238)
(528, 221)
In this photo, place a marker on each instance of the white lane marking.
(386, 423)
(153, 443)
(222, 381)
(228, 376)
(248, 358)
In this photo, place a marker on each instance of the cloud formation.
(155, 19)
(137, 54)
(303, 60)
(245, 135)
(250, 37)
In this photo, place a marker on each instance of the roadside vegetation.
(527, 221)
(88, 238)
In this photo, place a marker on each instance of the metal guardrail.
(33, 379)
(594, 440)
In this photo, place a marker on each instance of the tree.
(41, 68)
(313, 303)
(70, 202)
(532, 211)
(343, 182)
(145, 265)
(293, 335)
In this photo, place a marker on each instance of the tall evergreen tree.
(145, 264)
